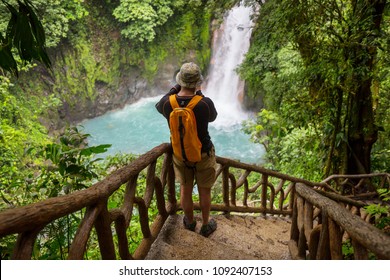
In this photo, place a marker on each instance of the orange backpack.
(184, 135)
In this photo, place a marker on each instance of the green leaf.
(95, 150)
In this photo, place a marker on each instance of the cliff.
(95, 69)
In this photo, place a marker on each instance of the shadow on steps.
(236, 238)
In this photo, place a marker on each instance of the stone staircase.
(241, 237)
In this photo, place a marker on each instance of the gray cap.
(189, 75)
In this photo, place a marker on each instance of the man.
(189, 81)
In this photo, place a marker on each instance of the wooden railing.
(358, 186)
(245, 188)
(28, 221)
(320, 225)
(272, 191)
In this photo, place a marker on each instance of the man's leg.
(186, 201)
(208, 225)
(205, 203)
(186, 178)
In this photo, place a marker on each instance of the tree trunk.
(362, 131)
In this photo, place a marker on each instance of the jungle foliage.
(321, 67)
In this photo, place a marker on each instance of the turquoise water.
(137, 128)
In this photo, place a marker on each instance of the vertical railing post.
(360, 252)
(308, 219)
(79, 244)
(323, 252)
(149, 191)
(225, 186)
(123, 242)
(302, 242)
(335, 239)
(104, 233)
(25, 244)
(233, 189)
(172, 201)
(292, 196)
(264, 184)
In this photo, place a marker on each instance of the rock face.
(236, 238)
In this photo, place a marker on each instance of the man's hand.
(175, 89)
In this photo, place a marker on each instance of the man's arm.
(174, 90)
(213, 112)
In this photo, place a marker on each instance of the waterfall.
(139, 127)
(230, 44)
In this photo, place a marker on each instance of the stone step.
(237, 237)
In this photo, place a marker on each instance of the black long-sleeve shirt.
(204, 111)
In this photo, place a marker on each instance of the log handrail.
(321, 237)
(355, 182)
(28, 221)
(28, 217)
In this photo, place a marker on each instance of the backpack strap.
(193, 102)
(173, 101)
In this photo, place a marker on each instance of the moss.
(156, 56)
(204, 46)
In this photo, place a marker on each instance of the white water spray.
(223, 86)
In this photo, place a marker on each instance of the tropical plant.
(334, 82)
(71, 165)
(24, 32)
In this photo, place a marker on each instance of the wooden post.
(294, 232)
(313, 242)
(292, 194)
(300, 209)
(150, 175)
(308, 219)
(225, 185)
(160, 197)
(25, 244)
(272, 196)
(123, 242)
(246, 191)
(300, 222)
(143, 217)
(233, 189)
(128, 201)
(360, 253)
(264, 184)
(172, 201)
(323, 245)
(79, 244)
(104, 233)
(335, 239)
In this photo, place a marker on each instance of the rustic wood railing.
(273, 191)
(28, 221)
(266, 192)
(358, 186)
(320, 225)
